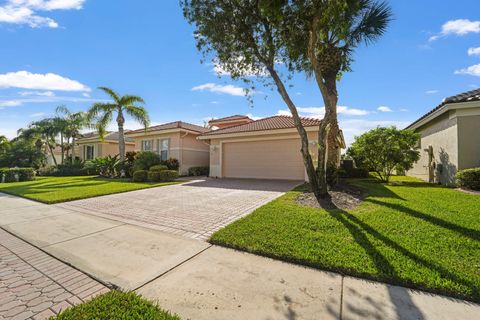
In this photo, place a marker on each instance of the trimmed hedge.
(140, 176)
(168, 175)
(158, 168)
(198, 171)
(116, 305)
(468, 178)
(11, 174)
(353, 173)
(154, 176)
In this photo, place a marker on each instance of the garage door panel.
(273, 159)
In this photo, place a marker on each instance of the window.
(89, 152)
(147, 145)
(163, 149)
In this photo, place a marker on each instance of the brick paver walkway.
(34, 285)
(195, 210)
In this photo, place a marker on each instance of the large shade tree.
(317, 37)
(130, 105)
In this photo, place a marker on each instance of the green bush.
(354, 173)
(140, 176)
(468, 178)
(46, 170)
(145, 160)
(168, 175)
(172, 164)
(116, 305)
(158, 168)
(154, 176)
(11, 174)
(198, 171)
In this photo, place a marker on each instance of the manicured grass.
(60, 189)
(407, 233)
(116, 305)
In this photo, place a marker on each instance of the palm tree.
(127, 104)
(74, 123)
(45, 131)
(4, 144)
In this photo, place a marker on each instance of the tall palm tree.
(123, 105)
(45, 130)
(4, 144)
(75, 122)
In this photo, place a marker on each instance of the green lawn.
(407, 233)
(60, 189)
(116, 305)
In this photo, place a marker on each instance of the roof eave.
(254, 133)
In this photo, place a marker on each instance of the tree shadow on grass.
(469, 233)
(359, 231)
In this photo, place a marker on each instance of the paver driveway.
(195, 209)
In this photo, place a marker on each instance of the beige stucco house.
(450, 139)
(91, 146)
(268, 148)
(174, 140)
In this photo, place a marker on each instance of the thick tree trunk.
(307, 158)
(121, 139)
(73, 149)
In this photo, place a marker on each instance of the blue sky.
(56, 52)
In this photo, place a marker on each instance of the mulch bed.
(343, 196)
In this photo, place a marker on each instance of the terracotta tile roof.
(473, 95)
(173, 125)
(108, 136)
(230, 118)
(271, 123)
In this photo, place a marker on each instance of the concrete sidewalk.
(200, 281)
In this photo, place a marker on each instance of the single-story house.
(449, 138)
(174, 140)
(268, 148)
(91, 146)
(229, 121)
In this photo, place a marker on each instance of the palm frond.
(100, 108)
(139, 114)
(111, 93)
(63, 110)
(372, 23)
(128, 100)
(102, 122)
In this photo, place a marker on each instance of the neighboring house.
(229, 121)
(91, 146)
(450, 139)
(57, 153)
(174, 140)
(268, 148)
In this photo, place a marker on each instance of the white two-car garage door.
(272, 159)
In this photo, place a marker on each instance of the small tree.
(385, 149)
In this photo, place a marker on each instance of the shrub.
(145, 160)
(158, 168)
(172, 164)
(468, 178)
(46, 170)
(140, 176)
(353, 173)
(154, 176)
(332, 175)
(116, 305)
(12, 174)
(198, 171)
(168, 175)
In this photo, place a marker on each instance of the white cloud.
(217, 88)
(47, 81)
(474, 51)
(472, 70)
(319, 112)
(404, 110)
(25, 12)
(37, 93)
(9, 103)
(38, 114)
(431, 91)
(384, 109)
(459, 27)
